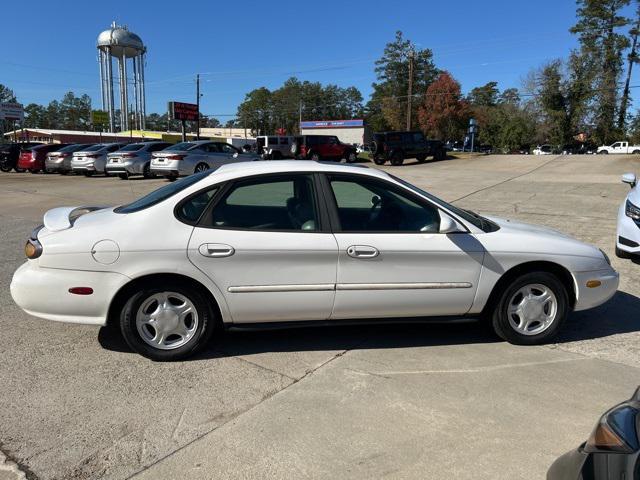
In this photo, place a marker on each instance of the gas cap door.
(105, 252)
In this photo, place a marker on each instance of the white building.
(348, 131)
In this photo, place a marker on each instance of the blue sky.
(238, 46)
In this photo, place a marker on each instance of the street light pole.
(410, 92)
(198, 104)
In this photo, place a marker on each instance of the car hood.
(527, 238)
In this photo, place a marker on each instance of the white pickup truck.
(619, 147)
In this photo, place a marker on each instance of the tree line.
(584, 96)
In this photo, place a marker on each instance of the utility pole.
(625, 94)
(198, 104)
(410, 92)
(300, 119)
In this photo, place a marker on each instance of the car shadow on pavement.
(618, 316)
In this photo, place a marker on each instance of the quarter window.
(191, 210)
(282, 203)
(371, 206)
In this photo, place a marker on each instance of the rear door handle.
(216, 250)
(362, 251)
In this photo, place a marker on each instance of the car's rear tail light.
(129, 155)
(62, 155)
(175, 157)
(92, 156)
(81, 290)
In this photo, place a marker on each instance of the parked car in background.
(619, 147)
(10, 154)
(628, 229)
(398, 146)
(612, 451)
(454, 146)
(322, 147)
(274, 147)
(60, 160)
(299, 241)
(33, 159)
(579, 148)
(92, 160)
(133, 159)
(543, 150)
(363, 148)
(187, 158)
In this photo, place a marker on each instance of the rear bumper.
(172, 168)
(44, 293)
(50, 166)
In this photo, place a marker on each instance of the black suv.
(396, 146)
(10, 152)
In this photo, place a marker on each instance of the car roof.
(245, 169)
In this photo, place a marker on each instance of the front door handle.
(362, 251)
(216, 250)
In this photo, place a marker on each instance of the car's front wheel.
(167, 324)
(531, 309)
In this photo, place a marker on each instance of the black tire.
(19, 170)
(500, 316)
(603, 152)
(636, 152)
(146, 171)
(315, 157)
(35, 170)
(123, 176)
(206, 324)
(201, 167)
(379, 160)
(351, 156)
(88, 173)
(622, 254)
(171, 178)
(440, 154)
(5, 168)
(376, 148)
(421, 158)
(397, 158)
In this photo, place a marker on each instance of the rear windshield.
(182, 146)
(73, 148)
(94, 148)
(163, 193)
(132, 147)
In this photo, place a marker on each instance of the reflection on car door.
(264, 245)
(392, 262)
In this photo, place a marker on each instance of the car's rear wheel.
(5, 168)
(167, 323)
(397, 158)
(201, 167)
(146, 171)
(19, 170)
(421, 158)
(351, 156)
(88, 173)
(603, 152)
(531, 309)
(636, 152)
(123, 176)
(171, 178)
(379, 160)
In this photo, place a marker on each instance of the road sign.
(183, 111)
(99, 117)
(11, 111)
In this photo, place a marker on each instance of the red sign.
(183, 111)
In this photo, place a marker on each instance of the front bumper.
(580, 465)
(590, 297)
(629, 231)
(44, 293)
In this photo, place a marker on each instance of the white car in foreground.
(290, 241)
(628, 231)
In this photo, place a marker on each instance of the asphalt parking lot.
(397, 401)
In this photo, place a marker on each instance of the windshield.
(477, 220)
(161, 194)
(97, 147)
(181, 146)
(132, 147)
(73, 148)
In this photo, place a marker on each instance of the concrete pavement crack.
(264, 399)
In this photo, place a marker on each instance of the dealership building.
(348, 131)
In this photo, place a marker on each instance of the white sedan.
(628, 232)
(291, 241)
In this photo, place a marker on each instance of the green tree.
(444, 114)
(484, 96)
(388, 105)
(601, 42)
(6, 94)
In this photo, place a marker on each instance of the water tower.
(119, 43)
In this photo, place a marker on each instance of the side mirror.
(629, 178)
(449, 225)
(375, 201)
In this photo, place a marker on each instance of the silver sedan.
(187, 158)
(93, 159)
(133, 159)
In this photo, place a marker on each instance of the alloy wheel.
(167, 320)
(532, 309)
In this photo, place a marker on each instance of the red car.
(33, 158)
(323, 147)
